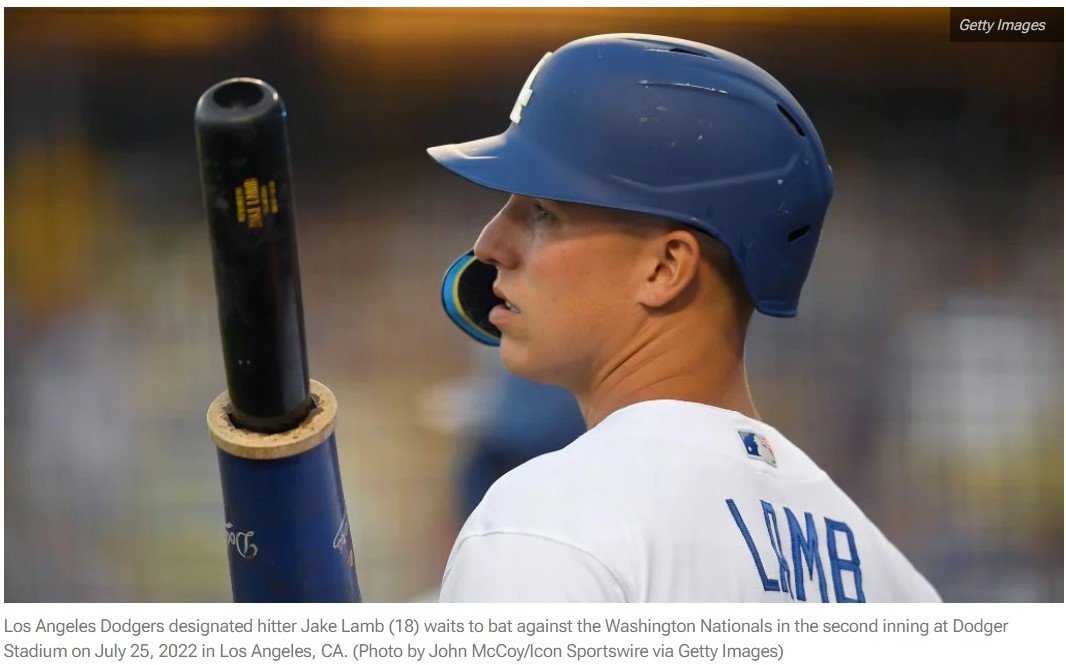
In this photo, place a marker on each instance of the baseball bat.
(287, 532)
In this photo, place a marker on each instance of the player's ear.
(671, 265)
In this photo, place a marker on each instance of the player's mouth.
(503, 312)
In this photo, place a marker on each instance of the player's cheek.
(572, 326)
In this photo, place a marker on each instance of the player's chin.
(510, 353)
(519, 358)
(516, 357)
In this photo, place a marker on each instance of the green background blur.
(924, 372)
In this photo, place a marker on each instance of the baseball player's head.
(657, 185)
(584, 286)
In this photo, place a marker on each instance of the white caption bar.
(546, 633)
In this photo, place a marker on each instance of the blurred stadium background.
(924, 372)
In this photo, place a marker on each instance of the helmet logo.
(527, 91)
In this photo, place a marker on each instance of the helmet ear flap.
(467, 296)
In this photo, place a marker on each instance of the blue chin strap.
(468, 298)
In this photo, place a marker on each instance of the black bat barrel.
(247, 184)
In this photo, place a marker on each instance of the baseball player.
(661, 191)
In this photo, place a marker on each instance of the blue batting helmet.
(664, 126)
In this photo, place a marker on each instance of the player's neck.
(680, 362)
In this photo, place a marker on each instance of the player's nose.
(497, 245)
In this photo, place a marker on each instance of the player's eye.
(541, 214)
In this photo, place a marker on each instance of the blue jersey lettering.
(767, 583)
(770, 517)
(806, 555)
(838, 565)
(805, 550)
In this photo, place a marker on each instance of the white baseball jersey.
(669, 501)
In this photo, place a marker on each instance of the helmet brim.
(507, 163)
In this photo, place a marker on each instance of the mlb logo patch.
(758, 446)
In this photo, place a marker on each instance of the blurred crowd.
(924, 372)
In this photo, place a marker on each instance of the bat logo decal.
(242, 542)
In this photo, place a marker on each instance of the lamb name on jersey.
(805, 557)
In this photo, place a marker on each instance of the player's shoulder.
(631, 440)
(714, 439)
(625, 459)
(534, 487)
(558, 494)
